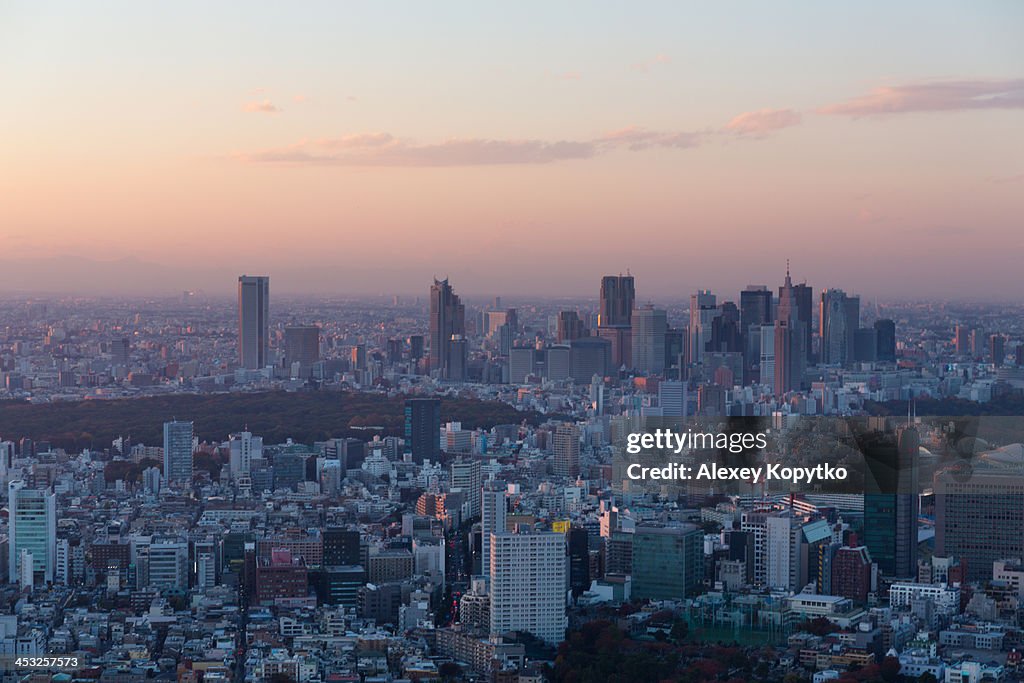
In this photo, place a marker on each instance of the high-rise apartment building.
(566, 447)
(253, 321)
(528, 580)
(178, 453)
(493, 519)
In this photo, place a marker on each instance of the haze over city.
(352, 149)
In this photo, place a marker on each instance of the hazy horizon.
(363, 149)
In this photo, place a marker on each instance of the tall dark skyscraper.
(423, 429)
(614, 320)
(618, 294)
(886, 332)
(840, 320)
(302, 346)
(755, 307)
(569, 326)
(253, 321)
(447, 321)
(891, 500)
(756, 310)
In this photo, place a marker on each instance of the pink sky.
(342, 149)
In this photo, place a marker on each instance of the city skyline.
(699, 144)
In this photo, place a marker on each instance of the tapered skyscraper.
(447, 322)
(791, 337)
(253, 321)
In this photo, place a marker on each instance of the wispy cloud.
(934, 96)
(636, 139)
(647, 65)
(383, 149)
(262, 107)
(761, 122)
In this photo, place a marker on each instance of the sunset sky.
(520, 148)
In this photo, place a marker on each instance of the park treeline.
(275, 415)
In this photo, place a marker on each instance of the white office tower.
(206, 570)
(62, 570)
(178, 453)
(32, 522)
(493, 520)
(467, 477)
(528, 584)
(244, 449)
(26, 570)
(168, 563)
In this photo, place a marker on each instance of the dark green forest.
(275, 415)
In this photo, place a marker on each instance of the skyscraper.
(615, 316)
(618, 292)
(493, 519)
(886, 338)
(528, 584)
(423, 429)
(569, 326)
(32, 529)
(447, 321)
(703, 310)
(840, 320)
(178, 453)
(466, 477)
(891, 500)
(791, 335)
(755, 307)
(302, 346)
(253, 320)
(244, 448)
(648, 345)
(566, 447)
